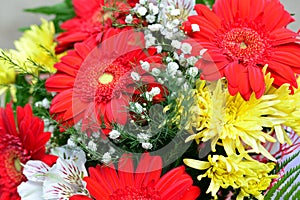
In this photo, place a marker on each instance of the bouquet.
(152, 100)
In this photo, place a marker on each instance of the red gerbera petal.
(241, 37)
(18, 145)
(92, 20)
(145, 183)
(93, 82)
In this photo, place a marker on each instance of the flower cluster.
(151, 99)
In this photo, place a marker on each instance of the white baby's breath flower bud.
(148, 96)
(136, 107)
(114, 134)
(192, 60)
(106, 158)
(135, 76)
(155, 72)
(142, 11)
(202, 52)
(38, 104)
(160, 81)
(154, 27)
(179, 73)
(150, 40)
(155, 91)
(153, 9)
(111, 150)
(193, 71)
(169, 59)
(195, 27)
(95, 135)
(176, 44)
(92, 146)
(46, 103)
(143, 137)
(172, 68)
(71, 142)
(128, 19)
(145, 65)
(186, 48)
(159, 49)
(143, 2)
(175, 56)
(147, 145)
(150, 18)
(180, 81)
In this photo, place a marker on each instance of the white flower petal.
(35, 170)
(30, 190)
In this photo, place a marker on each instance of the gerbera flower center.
(243, 44)
(133, 193)
(106, 78)
(12, 164)
(100, 83)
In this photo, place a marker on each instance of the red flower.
(243, 36)
(92, 20)
(105, 183)
(18, 145)
(96, 88)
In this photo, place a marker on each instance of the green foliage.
(209, 3)
(281, 165)
(284, 188)
(62, 12)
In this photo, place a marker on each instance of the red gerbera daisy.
(145, 183)
(94, 83)
(243, 36)
(18, 145)
(91, 21)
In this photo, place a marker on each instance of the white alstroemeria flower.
(61, 181)
(30, 190)
(65, 179)
(35, 171)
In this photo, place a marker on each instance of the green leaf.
(62, 12)
(287, 185)
(281, 165)
(284, 183)
(208, 3)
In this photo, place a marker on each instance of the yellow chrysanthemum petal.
(201, 165)
(35, 50)
(7, 79)
(249, 175)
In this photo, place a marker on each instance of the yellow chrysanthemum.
(7, 78)
(236, 124)
(289, 107)
(232, 120)
(35, 50)
(249, 175)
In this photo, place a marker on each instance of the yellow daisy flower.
(35, 50)
(250, 176)
(7, 78)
